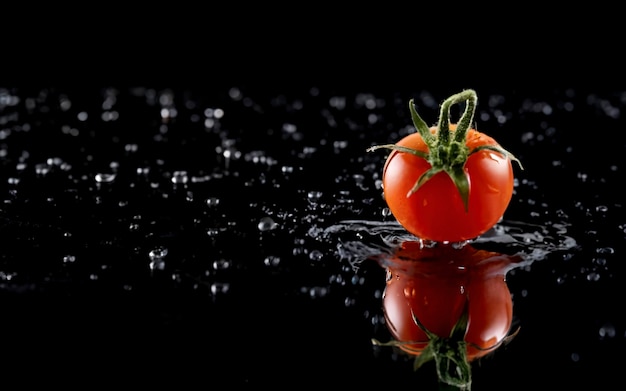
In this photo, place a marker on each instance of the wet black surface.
(136, 248)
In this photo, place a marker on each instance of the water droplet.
(144, 171)
(105, 177)
(212, 231)
(220, 288)
(42, 169)
(157, 258)
(337, 279)
(54, 161)
(356, 280)
(131, 147)
(605, 250)
(599, 261)
(271, 260)
(212, 201)
(157, 264)
(267, 224)
(200, 178)
(593, 276)
(602, 208)
(158, 253)
(459, 245)
(314, 196)
(221, 264)
(315, 232)
(318, 291)
(6, 276)
(180, 177)
(607, 331)
(316, 255)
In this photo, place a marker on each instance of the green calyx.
(449, 354)
(447, 151)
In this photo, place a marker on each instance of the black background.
(68, 334)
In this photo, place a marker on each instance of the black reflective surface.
(221, 235)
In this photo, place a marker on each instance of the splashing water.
(530, 241)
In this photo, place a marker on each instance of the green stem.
(446, 154)
(465, 121)
(468, 116)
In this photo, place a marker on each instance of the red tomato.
(436, 211)
(435, 285)
(448, 183)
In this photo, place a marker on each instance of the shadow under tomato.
(447, 304)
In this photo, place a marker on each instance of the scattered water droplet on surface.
(179, 177)
(271, 261)
(607, 331)
(593, 276)
(314, 196)
(105, 177)
(212, 202)
(157, 258)
(220, 288)
(221, 264)
(267, 224)
(316, 255)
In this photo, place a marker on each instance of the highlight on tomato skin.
(448, 304)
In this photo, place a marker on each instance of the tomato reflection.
(447, 304)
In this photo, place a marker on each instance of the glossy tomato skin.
(434, 285)
(436, 211)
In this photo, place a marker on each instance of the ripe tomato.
(450, 303)
(450, 182)
(436, 211)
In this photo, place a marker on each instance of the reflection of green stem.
(454, 371)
